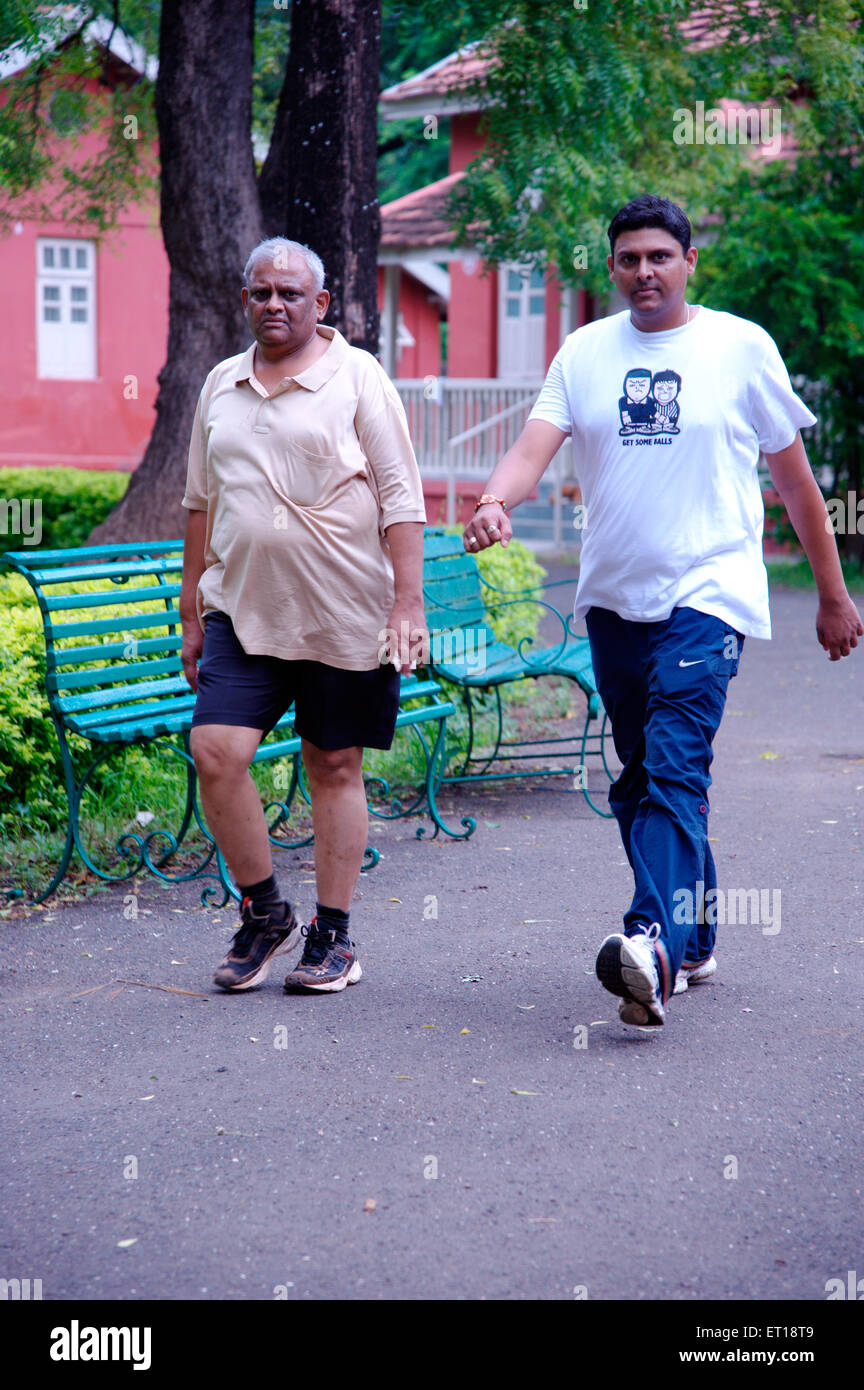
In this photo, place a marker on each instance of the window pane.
(79, 294)
(536, 281)
(81, 258)
(512, 308)
(64, 257)
(47, 255)
(51, 292)
(514, 281)
(51, 315)
(79, 315)
(535, 304)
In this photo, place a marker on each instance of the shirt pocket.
(309, 478)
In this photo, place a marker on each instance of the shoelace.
(651, 933)
(317, 941)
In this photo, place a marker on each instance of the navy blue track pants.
(663, 686)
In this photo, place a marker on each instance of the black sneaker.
(254, 945)
(326, 965)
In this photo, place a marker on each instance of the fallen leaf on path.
(124, 1244)
(597, 1022)
(523, 1093)
(526, 1007)
(147, 1097)
(394, 900)
(770, 756)
(169, 989)
(464, 1030)
(475, 1082)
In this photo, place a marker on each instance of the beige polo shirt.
(299, 487)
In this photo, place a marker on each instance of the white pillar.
(392, 276)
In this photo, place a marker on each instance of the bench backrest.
(112, 626)
(451, 585)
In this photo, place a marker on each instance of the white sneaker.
(627, 966)
(694, 975)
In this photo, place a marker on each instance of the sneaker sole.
(331, 987)
(613, 959)
(263, 970)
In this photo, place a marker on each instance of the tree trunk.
(210, 222)
(319, 180)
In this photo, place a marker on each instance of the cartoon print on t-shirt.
(636, 406)
(650, 405)
(665, 388)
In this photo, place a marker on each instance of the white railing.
(461, 426)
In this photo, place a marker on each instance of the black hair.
(668, 376)
(651, 211)
(640, 372)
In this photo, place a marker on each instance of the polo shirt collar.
(314, 377)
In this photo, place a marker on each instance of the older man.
(304, 540)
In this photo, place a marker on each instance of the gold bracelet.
(486, 499)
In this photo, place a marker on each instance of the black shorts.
(333, 708)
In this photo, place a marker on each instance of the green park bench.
(114, 678)
(465, 651)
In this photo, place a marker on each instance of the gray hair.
(277, 249)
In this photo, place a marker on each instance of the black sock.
(266, 898)
(336, 920)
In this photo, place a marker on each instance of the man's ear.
(244, 298)
(322, 299)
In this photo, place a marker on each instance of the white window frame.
(521, 337)
(65, 349)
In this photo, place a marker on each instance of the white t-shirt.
(667, 430)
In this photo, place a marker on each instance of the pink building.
(86, 319)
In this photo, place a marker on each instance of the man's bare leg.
(341, 820)
(329, 961)
(230, 800)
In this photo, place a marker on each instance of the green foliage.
(72, 502)
(54, 94)
(30, 767)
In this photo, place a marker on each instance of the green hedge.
(67, 502)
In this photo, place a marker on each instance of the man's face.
(665, 391)
(650, 270)
(281, 304)
(636, 388)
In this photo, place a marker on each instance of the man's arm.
(838, 622)
(193, 568)
(408, 638)
(517, 474)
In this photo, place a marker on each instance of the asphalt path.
(471, 1121)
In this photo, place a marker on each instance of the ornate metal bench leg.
(434, 772)
(607, 815)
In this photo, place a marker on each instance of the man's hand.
(190, 652)
(838, 626)
(488, 525)
(406, 641)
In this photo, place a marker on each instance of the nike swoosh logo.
(692, 663)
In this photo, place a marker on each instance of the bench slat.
(103, 699)
(108, 651)
(169, 617)
(118, 597)
(76, 680)
(81, 574)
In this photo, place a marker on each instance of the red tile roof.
(419, 218)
